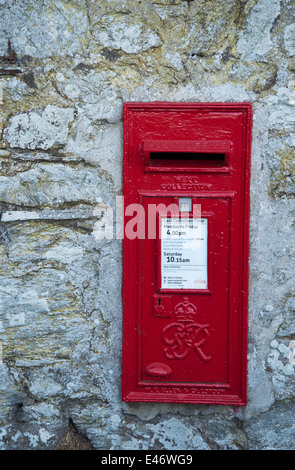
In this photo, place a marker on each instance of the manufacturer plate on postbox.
(186, 180)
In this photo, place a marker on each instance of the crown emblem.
(185, 311)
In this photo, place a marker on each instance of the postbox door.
(184, 328)
(185, 313)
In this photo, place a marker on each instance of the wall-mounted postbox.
(185, 252)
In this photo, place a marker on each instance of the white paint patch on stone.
(282, 116)
(44, 435)
(114, 422)
(60, 77)
(15, 89)
(108, 153)
(30, 50)
(37, 387)
(32, 438)
(65, 253)
(280, 352)
(99, 144)
(16, 319)
(16, 436)
(255, 40)
(173, 434)
(269, 308)
(129, 38)
(106, 107)
(30, 300)
(13, 216)
(292, 352)
(39, 130)
(175, 60)
(72, 91)
(52, 28)
(52, 184)
(289, 38)
(3, 433)
(190, 93)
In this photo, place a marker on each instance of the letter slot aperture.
(187, 156)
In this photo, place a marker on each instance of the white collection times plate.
(184, 253)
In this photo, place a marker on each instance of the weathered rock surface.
(66, 68)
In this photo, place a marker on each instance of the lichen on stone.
(282, 182)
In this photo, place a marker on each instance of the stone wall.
(66, 68)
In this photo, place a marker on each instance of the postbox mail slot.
(188, 155)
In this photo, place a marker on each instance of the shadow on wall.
(73, 440)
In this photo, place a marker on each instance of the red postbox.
(185, 252)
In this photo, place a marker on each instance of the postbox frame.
(134, 387)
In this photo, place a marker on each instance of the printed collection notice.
(184, 247)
